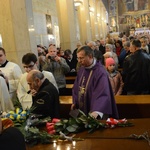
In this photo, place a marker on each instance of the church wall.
(45, 32)
(14, 29)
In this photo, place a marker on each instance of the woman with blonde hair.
(110, 53)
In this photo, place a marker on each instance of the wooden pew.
(129, 106)
(67, 91)
(69, 86)
(133, 106)
(70, 79)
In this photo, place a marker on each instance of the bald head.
(91, 44)
(35, 78)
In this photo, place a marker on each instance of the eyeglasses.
(29, 66)
(80, 58)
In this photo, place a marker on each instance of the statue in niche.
(113, 22)
(137, 22)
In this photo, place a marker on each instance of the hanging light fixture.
(78, 3)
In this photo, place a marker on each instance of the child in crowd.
(114, 76)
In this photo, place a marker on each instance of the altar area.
(140, 31)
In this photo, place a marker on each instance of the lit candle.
(74, 143)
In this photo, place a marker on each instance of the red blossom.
(55, 120)
(50, 126)
(52, 132)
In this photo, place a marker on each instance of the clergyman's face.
(84, 60)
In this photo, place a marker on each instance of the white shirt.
(5, 101)
(13, 72)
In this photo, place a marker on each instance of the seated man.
(30, 62)
(45, 97)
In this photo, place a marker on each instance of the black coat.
(12, 139)
(136, 73)
(46, 101)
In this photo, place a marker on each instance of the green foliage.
(80, 123)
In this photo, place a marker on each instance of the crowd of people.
(104, 68)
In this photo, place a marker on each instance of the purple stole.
(83, 85)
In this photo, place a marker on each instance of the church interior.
(28, 26)
(65, 22)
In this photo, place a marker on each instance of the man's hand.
(33, 92)
(72, 106)
(94, 114)
(57, 58)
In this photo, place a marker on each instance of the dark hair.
(88, 51)
(136, 43)
(27, 58)
(120, 43)
(2, 49)
(67, 52)
(131, 38)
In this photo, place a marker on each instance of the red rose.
(55, 120)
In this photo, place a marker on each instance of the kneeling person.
(45, 97)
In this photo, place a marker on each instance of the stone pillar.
(84, 22)
(92, 17)
(67, 23)
(16, 29)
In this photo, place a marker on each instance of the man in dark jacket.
(136, 70)
(44, 95)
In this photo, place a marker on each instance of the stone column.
(84, 22)
(67, 23)
(16, 28)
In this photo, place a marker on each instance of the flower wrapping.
(111, 122)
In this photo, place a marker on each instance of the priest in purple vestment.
(92, 92)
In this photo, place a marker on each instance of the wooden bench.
(129, 106)
(133, 106)
(70, 79)
(69, 86)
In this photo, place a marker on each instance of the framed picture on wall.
(49, 24)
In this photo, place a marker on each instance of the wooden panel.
(133, 99)
(69, 86)
(123, 99)
(136, 106)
